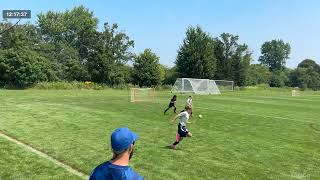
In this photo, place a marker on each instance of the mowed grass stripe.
(44, 155)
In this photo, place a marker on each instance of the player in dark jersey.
(172, 104)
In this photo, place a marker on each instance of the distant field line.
(252, 114)
(44, 155)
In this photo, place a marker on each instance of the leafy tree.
(146, 69)
(274, 54)
(258, 74)
(75, 28)
(240, 64)
(196, 57)
(69, 37)
(307, 75)
(72, 46)
(278, 78)
(170, 76)
(162, 72)
(233, 59)
(309, 63)
(65, 60)
(225, 49)
(23, 68)
(19, 36)
(109, 55)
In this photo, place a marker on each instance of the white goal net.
(142, 94)
(197, 86)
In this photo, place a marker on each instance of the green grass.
(253, 134)
(17, 163)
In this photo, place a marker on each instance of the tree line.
(67, 46)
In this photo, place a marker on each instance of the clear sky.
(160, 25)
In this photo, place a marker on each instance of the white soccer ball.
(200, 116)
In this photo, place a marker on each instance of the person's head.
(188, 109)
(122, 142)
(190, 97)
(174, 97)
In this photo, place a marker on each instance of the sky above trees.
(161, 25)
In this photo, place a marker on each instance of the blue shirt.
(109, 171)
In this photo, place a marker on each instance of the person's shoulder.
(184, 113)
(108, 171)
(132, 175)
(100, 171)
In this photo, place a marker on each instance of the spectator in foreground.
(122, 142)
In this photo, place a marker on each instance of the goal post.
(225, 85)
(142, 94)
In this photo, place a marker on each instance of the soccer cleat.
(173, 147)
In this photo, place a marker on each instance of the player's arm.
(174, 118)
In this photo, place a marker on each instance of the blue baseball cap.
(122, 138)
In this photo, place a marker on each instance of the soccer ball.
(200, 116)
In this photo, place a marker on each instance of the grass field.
(243, 135)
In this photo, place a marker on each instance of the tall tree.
(233, 59)
(274, 54)
(240, 65)
(196, 57)
(109, 55)
(146, 69)
(69, 36)
(20, 63)
(19, 36)
(309, 63)
(170, 76)
(75, 28)
(307, 75)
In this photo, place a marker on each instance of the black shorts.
(171, 105)
(182, 130)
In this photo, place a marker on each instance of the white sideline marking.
(43, 155)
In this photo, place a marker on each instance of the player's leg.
(175, 109)
(182, 132)
(167, 109)
(178, 139)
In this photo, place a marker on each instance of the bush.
(163, 87)
(23, 68)
(62, 85)
(263, 86)
(278, 79)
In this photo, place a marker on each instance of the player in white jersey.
(182, 126)
(189, 101)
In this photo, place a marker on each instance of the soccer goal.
(224, 85)
(197, 86)
(142, 94)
